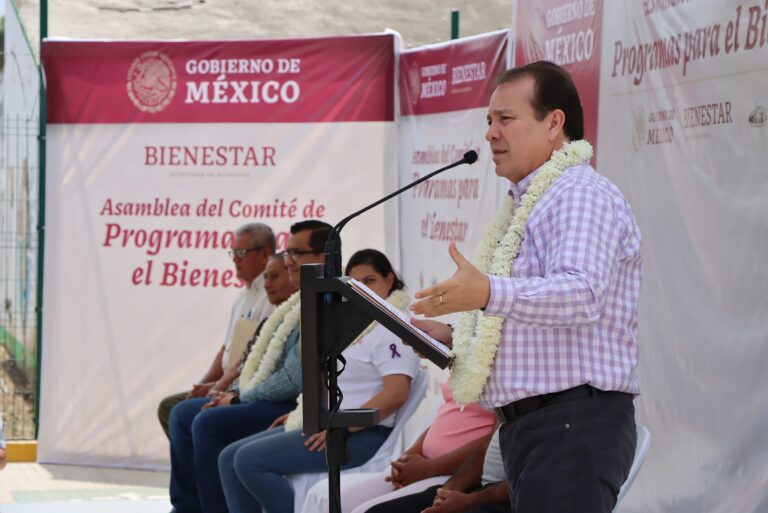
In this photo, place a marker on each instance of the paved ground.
(121, 506)
(31, 487)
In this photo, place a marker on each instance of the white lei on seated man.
(268, 349)
(477, 336)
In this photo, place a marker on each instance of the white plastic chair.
(380, 461)
(641, 451)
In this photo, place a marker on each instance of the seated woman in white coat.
(378, 373)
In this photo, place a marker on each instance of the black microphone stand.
(336, 439)
(333, 242)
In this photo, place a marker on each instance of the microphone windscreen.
(470, 157)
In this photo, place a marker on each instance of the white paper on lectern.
(396, 314)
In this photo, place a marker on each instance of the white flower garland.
(295, 419)
(476, 336)
(262, 359)
(398, 299)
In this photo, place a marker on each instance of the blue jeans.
(253, 469)
(197, 438)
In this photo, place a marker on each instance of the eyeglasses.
(240, 253)
(293, 253)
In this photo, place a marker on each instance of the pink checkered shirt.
(570, 308)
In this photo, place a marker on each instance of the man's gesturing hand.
(468, 289)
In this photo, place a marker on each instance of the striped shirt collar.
(516, 190)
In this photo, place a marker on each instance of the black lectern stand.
(333, 314)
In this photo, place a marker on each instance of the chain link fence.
(18, 274)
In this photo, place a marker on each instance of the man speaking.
(548, 337)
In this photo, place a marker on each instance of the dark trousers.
(570, 457)
(164, 410)
(417, 502)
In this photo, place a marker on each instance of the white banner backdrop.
(138, 287)
(684, 133)
(682, 129)
(444, 91)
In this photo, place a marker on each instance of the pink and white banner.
(676, 92)
(684, 133)
(568, 34)
(444, 92)
(157, 151)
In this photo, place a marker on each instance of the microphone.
(332, 267)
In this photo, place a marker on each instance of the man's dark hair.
(309, 224)
(318, 237)
(553, 89)
(320, 231)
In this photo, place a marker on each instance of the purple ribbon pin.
(393, 348)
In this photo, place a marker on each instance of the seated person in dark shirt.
(478, 486)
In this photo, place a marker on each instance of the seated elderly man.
(268, 385)
(253, 245)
